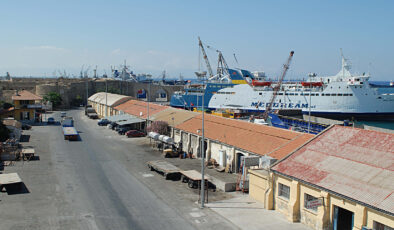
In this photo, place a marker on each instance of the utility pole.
(309, 116)
(202, 151)
(106, 100)
(148, 99)
(87, 90)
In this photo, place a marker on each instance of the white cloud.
(46, 48)
(115, 52)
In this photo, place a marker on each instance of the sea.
(379, 124)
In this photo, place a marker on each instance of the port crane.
(278, 86)
(201, 75)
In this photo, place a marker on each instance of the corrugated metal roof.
(258, 139)
(173, 116)
(120, 117)
(136, 108)
(26, 95)
(130, 121)
(112, 99)
(356, 163)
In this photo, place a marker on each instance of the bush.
(4, 132)
(160, 127)
(5, 105)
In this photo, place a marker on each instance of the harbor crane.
(277, 86)
(205, 58)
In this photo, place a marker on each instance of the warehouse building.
(105, 102)
(342, 179)
(227, 140)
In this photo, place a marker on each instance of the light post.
(202, 151)
(148, 99)
(106, 100)
(309, 116)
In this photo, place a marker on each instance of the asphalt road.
(100, 182)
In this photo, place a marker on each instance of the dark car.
(51, 120)
(103, 122)
(114, 125)
(123, 130)
(134, 133)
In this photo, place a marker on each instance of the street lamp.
(202, 150)
(106, 100)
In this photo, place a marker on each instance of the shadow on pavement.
(14, 189)
(24, 138)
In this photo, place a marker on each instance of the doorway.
(343, 219)
(239, 160)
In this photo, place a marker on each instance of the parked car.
(123, 130)
(103, 122)
(135, 133)
(63, 114)
(113, 125)
(51, 120)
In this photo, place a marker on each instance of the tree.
(77, 100)
(4, 132)
(53, 97)
(5, 105)
(160, 127)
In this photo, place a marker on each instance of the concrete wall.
(69, 89)
(260, 187)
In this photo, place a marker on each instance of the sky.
(38, 38)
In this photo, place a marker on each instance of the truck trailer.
(69, 132)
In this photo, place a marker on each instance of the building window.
(308, 198)
(284, 191)
(379, 226)
(24, 102)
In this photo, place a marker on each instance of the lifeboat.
(312, 84)
(261, 83)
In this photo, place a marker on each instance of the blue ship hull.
(192, 97)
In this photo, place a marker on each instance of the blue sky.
(39, 37)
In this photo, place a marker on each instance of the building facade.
(342, 179)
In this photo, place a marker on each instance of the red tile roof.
(356, 163)
(258, 139)
(25, 95)
(135, 108)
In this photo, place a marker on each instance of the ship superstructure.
(343, 95)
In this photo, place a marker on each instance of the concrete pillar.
(360, 217)
(269, 194)
(189, 142)
(208, 150)
(323, 212)
(294, 202)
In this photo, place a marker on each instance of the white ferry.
(341, 96)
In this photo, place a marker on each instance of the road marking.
(147, 175)
(197, 214)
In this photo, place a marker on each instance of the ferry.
(343, 96)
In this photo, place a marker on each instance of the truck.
(69, 132)
(91, 113)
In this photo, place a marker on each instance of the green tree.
(5, 105)
(53, 97)
(4, 132)
(77, 100)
